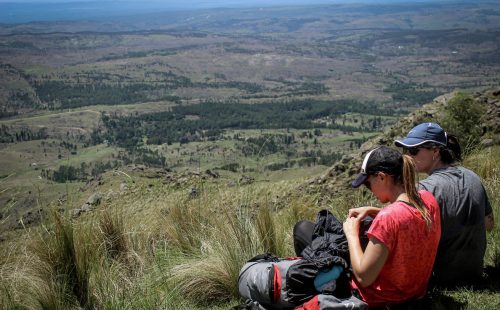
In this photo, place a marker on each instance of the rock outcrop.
(92, 202)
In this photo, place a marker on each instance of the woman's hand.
(367, 265)
(351, 227)
(363, 212)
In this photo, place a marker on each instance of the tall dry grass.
(229, 229)
(65, 261)
(486, 163)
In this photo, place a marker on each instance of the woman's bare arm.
(363, 212)
(366, 266)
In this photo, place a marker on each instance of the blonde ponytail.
(409, 183)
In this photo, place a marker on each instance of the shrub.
(463, 117)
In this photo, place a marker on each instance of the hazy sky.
(222, 2)
(189, 2)
(21, 11)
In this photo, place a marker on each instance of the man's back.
(464, 203)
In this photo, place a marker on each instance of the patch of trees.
(94, 87)
(10, 135)
(231, 48)
(140, 54)
(483, 58)
(266, 144)
(145, 156)
(22, 44)
(79, 91)
(68, 173)
(21, 99)
(293, 88)
(177, 126)
(309, 88)
(59, 94)
(64, 174)
(356, 143)
(69, 146)
(312, 158)
(5, 113)
(440, 38)
(279, 166)
(411, 92)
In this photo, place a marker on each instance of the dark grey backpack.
(269, 282)
(263, 283)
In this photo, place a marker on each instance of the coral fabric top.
(412, 249)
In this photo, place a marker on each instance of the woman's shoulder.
(428, 198)
(443, 177)
(452, 172)
(425, 194)
(468, 173)
(397, 208)
(460, 175)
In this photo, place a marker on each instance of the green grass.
(90, 154)
(24, 193)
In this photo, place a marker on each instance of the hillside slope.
(336, 180)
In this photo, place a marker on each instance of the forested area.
(10, 135)
(59, 94)
(84, 90)
(412, 93)
(189, 123)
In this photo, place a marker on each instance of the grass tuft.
(113, 234)
(65, 264)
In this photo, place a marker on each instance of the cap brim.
(409, 142)
(412, 142)
(360, 179)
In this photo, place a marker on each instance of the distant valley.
(268, 93)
